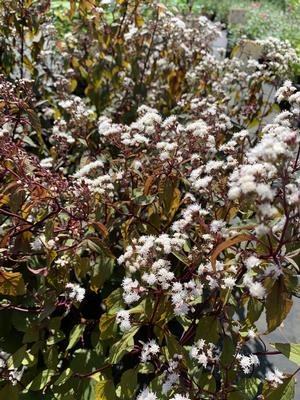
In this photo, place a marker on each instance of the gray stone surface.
(219, 45)
(237, 16)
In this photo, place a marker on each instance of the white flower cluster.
(275, 378)
(135, 135)
(147, 394)
(183, 296)
(180, 397)
(40, 242)
(75, 292)
(285, 91)
(171, 374)
(148, 247)
(102, 184)
(144, 256)
(229, 85)
(131, 290)
(60, 132)
(256, 289)
(84, 171)
(76, 107)
(260, 176)
(123, 319)
(15, 375)
(204, 353)
(170, 142)
(280, 55)
(149, 350)
(47, 162)
(191, 214)
(247, 362)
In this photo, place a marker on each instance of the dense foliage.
(258, 19)
(149, 205)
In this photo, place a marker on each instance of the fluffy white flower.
(130, 288)
(202, 352)
(149, 278)
(88, 168)
(146, 394)
(149, 349)
(257, 290)
(123, 319)
(234, 193)
(273, 270)
(47, 162)
(247, 362)
(229, 282)
(251, 333)
(75, 292)
(217, 225)
(252, 262)
(180, 397)
(275, 378)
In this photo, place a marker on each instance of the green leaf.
(170, 197)
(208, 328)
(29, 360)
(278, 305)
(123, 346)
(207, 382)
(248, 387)
(255, 308)
(34, 120)
(105, 390)
(95, 244)
(11, 283)
(66, 374)
(21, 357)
(114, 302)
(29, 141)
(143, 200)
(83, 72)
(85, 361)
(41, 380)
(31, 334)
(107, 326)
(55, 338)
(75, 335)
(102, 270)
(36, 125)
(290, 350)
(15, 360)
(146, 368)
(181, 258)
(51, 356)
(173, 345)
(9, 392)
(128, 384)
(228, 351)
(286, 391)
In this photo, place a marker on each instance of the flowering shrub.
(138, 256)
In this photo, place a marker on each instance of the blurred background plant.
(277, 18)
